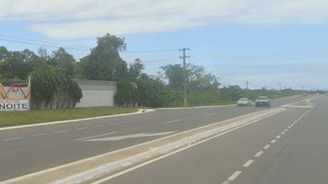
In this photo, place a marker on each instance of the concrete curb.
(140, 111)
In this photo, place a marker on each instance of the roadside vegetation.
(39, 116)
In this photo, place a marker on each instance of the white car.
(244, 102)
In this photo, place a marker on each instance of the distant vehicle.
(244, 102)
(305, 95)
(263, 101)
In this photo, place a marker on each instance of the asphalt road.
(287, 148)
(27, 150)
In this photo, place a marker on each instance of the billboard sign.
(14, 105)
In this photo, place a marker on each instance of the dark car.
(263, 101)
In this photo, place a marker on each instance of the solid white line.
(173, 121)
(97, 126)
(95, 136)
(14, 138)
(62, 131)
(267, 146)
(248, 163)
(273, 141)
(278, 137)
(83, 128)
(36, 135)
(258, 154)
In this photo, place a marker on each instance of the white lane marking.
(61, 131)
(37, 135)
(232, 177)
(173, 121)
(267, 146)
(248, 163)
(122, 137)
(95, 136)
(97, 126)
(82, 128)
(14, 138)
(273, 141)
(286, 130)
(258, 154)
(211, 114)
(278, 137)
(282, 133)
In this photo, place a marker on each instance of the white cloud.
(90, 18)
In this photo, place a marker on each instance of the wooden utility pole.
(185, 100)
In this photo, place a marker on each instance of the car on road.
(244, 102)
(263, 101)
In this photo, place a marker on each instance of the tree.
(127, 94)
(150, 91)
(135, 69)
(62, 59)
(104, 61)
(196, 76)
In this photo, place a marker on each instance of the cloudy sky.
(260, 41)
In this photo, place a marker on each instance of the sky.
(264, 42)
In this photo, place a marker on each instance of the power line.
(43, 42)
(150, 51)
(39, 44)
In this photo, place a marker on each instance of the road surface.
(28, 150)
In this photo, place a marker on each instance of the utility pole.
(185, 101)
(280, 86)
(247, 85)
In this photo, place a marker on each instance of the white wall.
(96, 93)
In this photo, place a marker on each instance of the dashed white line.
(82, 128)
(267, 146)
(282, 133)
(278, 137)
(273, 141)
(248, 163)
(173, 121)
(97, 126)
(62, 131)
(14, 138)
(286, 129)
(258, 154)
(232, 177)
(37, 135)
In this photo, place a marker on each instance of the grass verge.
(40, 116)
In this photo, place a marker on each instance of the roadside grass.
(41, 116)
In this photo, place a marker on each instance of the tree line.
(134, 87)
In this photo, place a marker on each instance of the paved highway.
(31, 149)
(287, 148)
